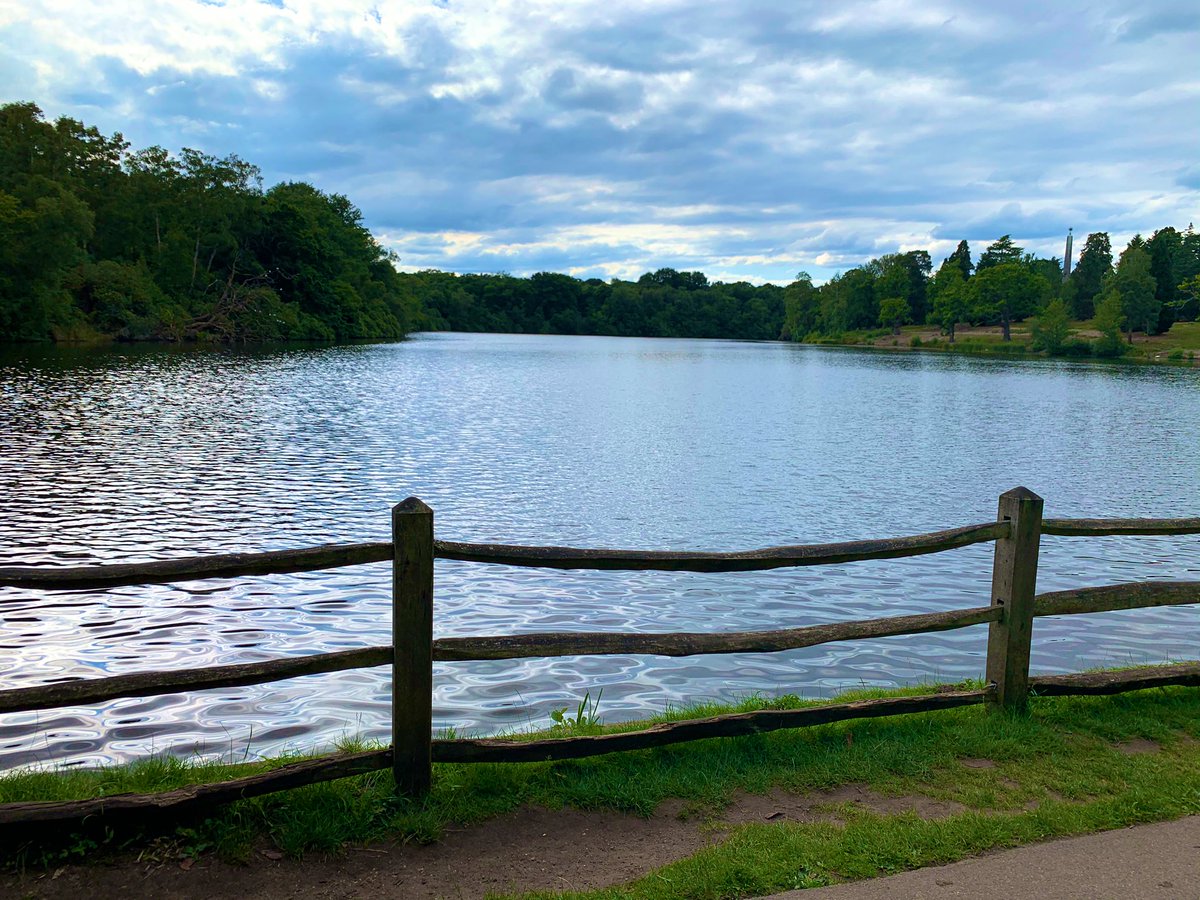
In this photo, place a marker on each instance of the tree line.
(97, 240)
(664, 303)
(1153, 284)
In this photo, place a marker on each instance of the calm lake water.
(145, 453)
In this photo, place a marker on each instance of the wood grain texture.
(1104, 683)
(737, 561)
(690, 644)
(225, 565)
(1135, 595)
(331, 556)
(734, 725)
(313, 771)
(1014, 581)
(412, 643)
(1100, 527)
(87, 692)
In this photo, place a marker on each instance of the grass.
(1183, 336)
(1057, 772)
(1178, 346)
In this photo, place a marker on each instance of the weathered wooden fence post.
(412, 646)
(1014, 580)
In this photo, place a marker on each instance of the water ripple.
(136, 453)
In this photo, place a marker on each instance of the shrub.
(1107, 348)
(1052, 328)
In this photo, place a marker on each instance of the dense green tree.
(1188, 261)
(861, 301)
(1087, 278)
(894, 312)
(1188, 297)
(626, 313)
(557, 301)
(961, 257)
(1134, 284)
(831, 317)
(44, 230)
(1165, 248)
(891, 275)
(998, 253)
(801, 308)
(685, 281)
(1050, 270)
(1108, 322)
(950, 297)
(1187, 267)
(98, 240)
(315, 254)
(122, 299)
(1006, 293)
(1052, 328)
(918, 264)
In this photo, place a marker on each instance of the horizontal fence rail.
(1110, 527)
(740, 561)
(694, 644)
(332, 556)
(193, 568)
(731, 725)
(1013, 607)
(90, 691)
(1112, 597)
(499, 750)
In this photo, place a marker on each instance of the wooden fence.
(1013, 607)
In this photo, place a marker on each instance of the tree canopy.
(1087, 278)
(99, 240)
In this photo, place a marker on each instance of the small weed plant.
(586, 719)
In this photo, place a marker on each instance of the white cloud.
(746, 140)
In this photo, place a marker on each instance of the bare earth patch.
(979, 763)
(1137, 746)
(532, 849)
(779, 806)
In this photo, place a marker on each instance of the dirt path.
(531, 849)
(537, 849)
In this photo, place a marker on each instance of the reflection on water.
(145, 453)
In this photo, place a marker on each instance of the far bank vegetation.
(102, 242)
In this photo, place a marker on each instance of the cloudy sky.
(747, 139)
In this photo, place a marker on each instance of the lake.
(139, 453)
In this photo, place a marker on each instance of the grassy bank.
(1179, 346)
(1061, 770)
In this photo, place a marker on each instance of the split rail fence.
(1010, 613)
